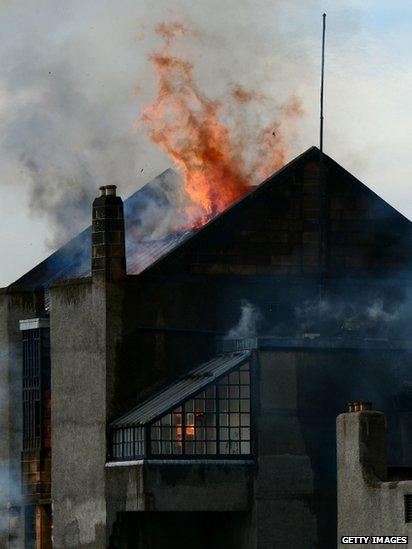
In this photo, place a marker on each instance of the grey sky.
(68, 101)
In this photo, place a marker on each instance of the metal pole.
(322, 183)
(322, 83)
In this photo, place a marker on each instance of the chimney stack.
(108, 236)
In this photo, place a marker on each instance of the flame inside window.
(190, 425)
(215, 421)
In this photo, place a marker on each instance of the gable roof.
(311, 154)
(73, 259)
(186, 386)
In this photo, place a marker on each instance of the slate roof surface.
(73, 259)
(154, 201)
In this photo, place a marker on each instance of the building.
(194, 396)
(374, 500)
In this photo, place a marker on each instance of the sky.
(75, 76)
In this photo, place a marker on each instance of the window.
(212, 422)
(408, 508)
(128, 443)
(215, 422)
(36, 388)
(31, 389)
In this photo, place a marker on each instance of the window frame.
(148, 454)
(36, 388)
(407, 498)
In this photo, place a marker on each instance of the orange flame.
(186, 124)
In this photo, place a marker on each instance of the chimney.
(108, 236)
(361, 442)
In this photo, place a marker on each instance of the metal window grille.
(408, 508)
(47, 299)
(36, 388)
(128, 443)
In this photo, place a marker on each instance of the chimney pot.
(102, 191)
(360, 406)
(111, 190)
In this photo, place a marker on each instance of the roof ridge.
(255, 189)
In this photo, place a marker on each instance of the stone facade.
(371, 496)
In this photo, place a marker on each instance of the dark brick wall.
(297, 240)
(277, 230)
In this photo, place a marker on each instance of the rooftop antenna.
(322, 183)
(322, 78)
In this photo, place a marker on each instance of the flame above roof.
(148, 214)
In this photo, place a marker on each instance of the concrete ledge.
(71, 282)
(34, 324)
(202, 486)
(180, 462)
(311, 341)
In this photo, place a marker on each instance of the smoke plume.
(367, 315)
(76, 76)
(248, 324)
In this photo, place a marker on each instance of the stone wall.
(14, 306)
(369, 503)
(84, 338)
(299, 395)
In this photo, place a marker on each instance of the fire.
(189, 429)
(215, 163)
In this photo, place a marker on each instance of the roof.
(162, 194)
(186, 386)
(159, 198)
(147, 238)
(311, 154)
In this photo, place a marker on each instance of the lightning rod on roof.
(322, 78)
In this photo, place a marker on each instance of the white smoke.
(377, 313)
(311, 310)
(10, 506)
(351, 314)
(75, 76)
(161, 213)
(248, 324)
